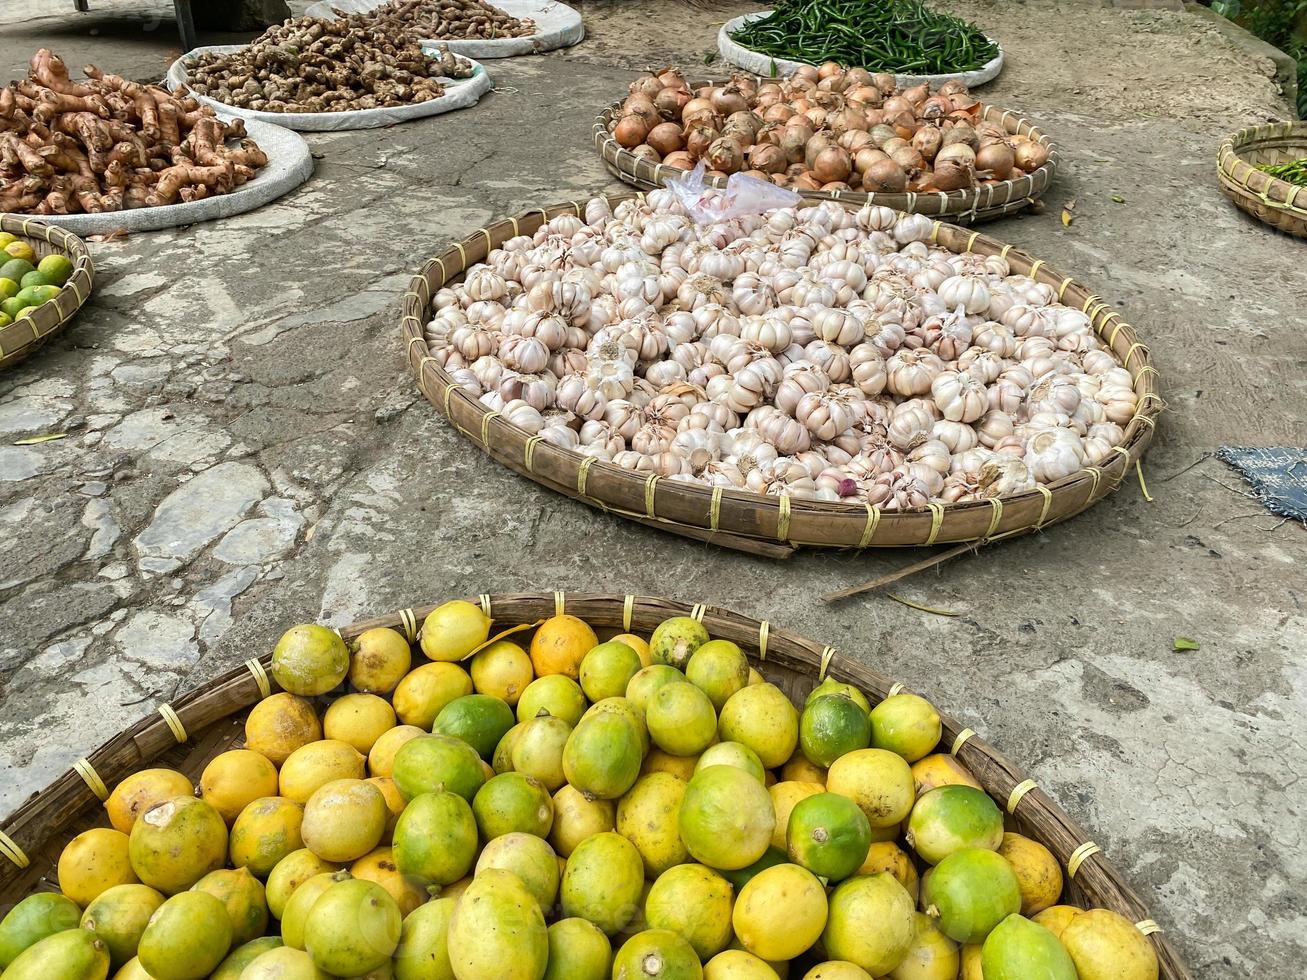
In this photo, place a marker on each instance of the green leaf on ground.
(1184, 643)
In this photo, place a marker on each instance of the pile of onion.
(824, 128)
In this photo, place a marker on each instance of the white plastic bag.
(743, 195)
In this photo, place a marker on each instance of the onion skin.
(778, 112)
(666, 138)
(647, 152)
(885, 82)
(959, 152)
(855, 139)
(793, 141)
(961, 133)
(679, 159)
(865, 157)
(805, 182)
(638, 105)
(918, 93)
(647, 85)
(630, 131)
(908, 158)
(884, 177)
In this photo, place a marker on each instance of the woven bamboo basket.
(966, 206)
(1277, 202)
(27, 333)
(199, 725)
(776, 526)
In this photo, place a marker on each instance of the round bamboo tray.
(27, 333)
(210, 720)
(775, 526)
(966, 206)
(1277, 202)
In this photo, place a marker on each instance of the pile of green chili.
(1295, 171)
(903, 37)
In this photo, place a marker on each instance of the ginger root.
(109, 143)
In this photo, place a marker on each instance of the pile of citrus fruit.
(25, 281)
(567, 809)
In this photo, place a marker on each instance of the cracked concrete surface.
(246, 450)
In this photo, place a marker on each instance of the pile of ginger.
(108, 144)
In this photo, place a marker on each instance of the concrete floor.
(249, 451)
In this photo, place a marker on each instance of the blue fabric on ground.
(1277, 475)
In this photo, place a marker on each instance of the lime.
(8, 288)
(741, 877)
(36, 278)
(970, 892)
(513, 803)
(832, 725)
(906, 724)
(5, 319)
(681, 719)
(15, 269)
(831, 686)
(13, 306)
(718, 668)
(59, 268)
(607, 669)
(951, 818)
(36, 295)
(480, 720)
(21, 250)
(829, 835)
(6, 238)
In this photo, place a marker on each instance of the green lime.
(8, 288)
(21, 250)
(13, 306)
(480, 720)
(831, 726)
(829, 835)
(15, 269)
(6, 238)
(36, 295)
(59, 268)
(5, 320)
(36, 278)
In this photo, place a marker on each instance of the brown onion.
(961, 133)
(858, 76)
(918, 93)
(847, 120)
(997, 158)
(896, 104)
(956, 151)
(725, 154)
(702, 117)
(695, 105)
(745, 120)
(908, 158)
(806, 182)
(865, 95)
(780, 180)
(680, 159)
(815, 145)
(817, 117)
(770, 133)
(1030, 155)
(881, 134)
(793, 141)
(928, 140)
(833, 84)
(884, 177)
(855, 139)
(796, 169)
(808, 72)
(829, 68)
(936, 107)
(952, 175)
(640, 106)
(698, 139)
(832, 163)
(647, 85)
(836, 185)
(767, 158)
(865, 157)
(630, 131)
(893, 143)
(672, 78)
(953, 87)
(666, 138)
(741, 134)
(885, 82)
(647, 152)
(729, 99)
(746, 83)
(905, 124)
(779, 112)
(670, 101)
(756, 174)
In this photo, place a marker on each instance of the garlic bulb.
(911, 372)
(577, 393)
(961, 397)
(537, 390)
(1053, 454)
(826, 414)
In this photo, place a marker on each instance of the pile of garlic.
(821, 353)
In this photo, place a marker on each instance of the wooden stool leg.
(185, 23)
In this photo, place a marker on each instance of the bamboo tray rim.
(736, 518)
(969, 203)
(190, 717)
(22, 337)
